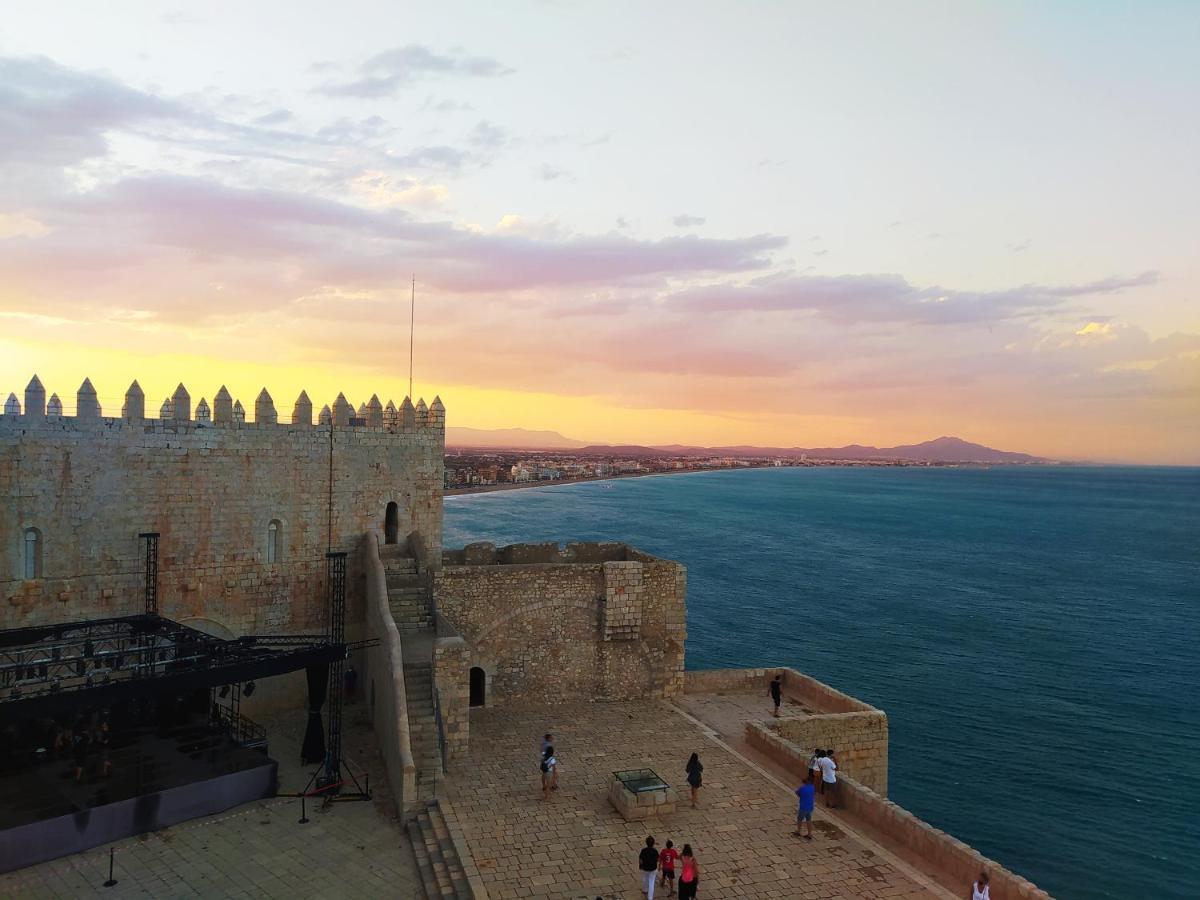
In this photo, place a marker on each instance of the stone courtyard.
(257, 850)
(577, 846)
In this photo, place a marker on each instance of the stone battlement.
(485, 553)
(246, 510)
(176, 411)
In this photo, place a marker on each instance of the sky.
(787, 224)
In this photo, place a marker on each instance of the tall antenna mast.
(412, 320)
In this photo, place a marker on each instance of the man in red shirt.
(666, 862)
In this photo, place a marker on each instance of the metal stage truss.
(100, 662)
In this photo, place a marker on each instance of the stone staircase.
(408, 598)
(443, 873)
(412, 610)
(422, 727)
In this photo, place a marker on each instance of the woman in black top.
(693, 776)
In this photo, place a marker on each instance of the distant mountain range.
(943, 449)
(509, 439)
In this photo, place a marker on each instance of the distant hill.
(943, 449)
(509, 438)
(619, 450)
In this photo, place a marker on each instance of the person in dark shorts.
(694, 770)
(648, 866)
(807, 793)
(689, 874)
(666, 863)
(777, 692)
(549, 772)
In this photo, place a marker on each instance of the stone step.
(424, 863)
(436, 853)
(442, 872)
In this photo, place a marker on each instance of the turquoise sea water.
(1032, 634)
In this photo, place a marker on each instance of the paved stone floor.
(254, 850)
(575, 845)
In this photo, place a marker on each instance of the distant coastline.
(519, 485)
(586, 479)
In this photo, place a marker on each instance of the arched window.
(33, 554)
(275, 541)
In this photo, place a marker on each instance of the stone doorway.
(478, 686)
(391, 524)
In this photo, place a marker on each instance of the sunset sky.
(776, 223)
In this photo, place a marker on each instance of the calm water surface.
(1031, 632)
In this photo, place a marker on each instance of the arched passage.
(478, 686)
(391, 524)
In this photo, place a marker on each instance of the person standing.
(549, 772)
(829, 782)
(807, 792)
(777, 692)
(689, 874)
(694, 779)
(814, 768)
(648, 866)
(979, 889)
(666, 862)
(548, 742)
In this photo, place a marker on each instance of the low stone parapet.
(894, 825)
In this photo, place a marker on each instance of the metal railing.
(242, 730)
(441, 728)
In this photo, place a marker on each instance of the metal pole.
(303, 814)
(412, 321)
(111, 881)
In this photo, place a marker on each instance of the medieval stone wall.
(220, 491)
(556, 631)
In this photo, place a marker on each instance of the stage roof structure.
(47, 669)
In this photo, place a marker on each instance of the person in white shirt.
(829, 782)
(979, 889)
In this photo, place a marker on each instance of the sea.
(1031, 632)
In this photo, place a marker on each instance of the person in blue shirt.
(807, 793)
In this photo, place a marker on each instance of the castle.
(247, 508)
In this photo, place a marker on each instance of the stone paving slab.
(575, 845)
(254, 850)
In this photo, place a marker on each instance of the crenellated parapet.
(177, 411)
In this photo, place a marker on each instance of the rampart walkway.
(576, 846)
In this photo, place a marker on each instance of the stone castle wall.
(211, 486)
(609, 628)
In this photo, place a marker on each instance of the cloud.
(547, 172)
(683, 220)
(443, 157)
(386, 73)
(275, 117)
(445, 105)
(890, 298)
(296, 244)
(485, 134)
(52, 116)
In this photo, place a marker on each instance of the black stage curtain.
(313, 750)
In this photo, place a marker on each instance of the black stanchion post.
(303, 815)
(111, 881)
